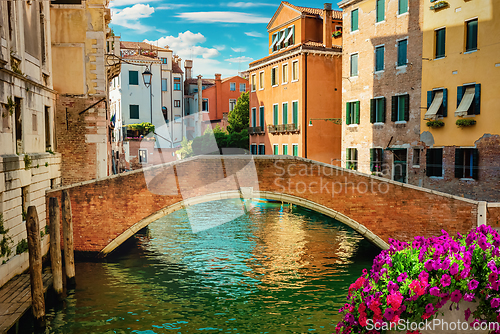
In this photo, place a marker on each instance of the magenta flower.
(402, 277)
(473, 285)
(392, 287)
(429, 308)
(456, 296)
(454, 269)
(468, 297)
(467, 314)
(445, 265)
(389, 314)
(434, 291)
(429, 265)
(445, 280)
(495, 302)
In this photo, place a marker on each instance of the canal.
(275, 269)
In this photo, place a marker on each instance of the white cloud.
(129, 17)
(220, 47)
(185, 45)
(249, 4)
(238, 49)
(254, 34)
(225, 17)
(242, 59)
(121, 3)
(208, 67)
(169, 6)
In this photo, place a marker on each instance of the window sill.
(253, 91)
(415, 166)
(466, 179)
(403, 14)
(401, 66)
(353, 77)
(355, 31)
(378, 123)
(439, 58)
(379, 71)
(295, 80)
(400, 122)
(436, 177)
(471, 51)
(352, 125)
(260, 89)
(284, 83)
(275, 86)
(469, 116)
(377, 23)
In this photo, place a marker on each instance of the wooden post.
(55, 247)
(69, 257)
(35, 262)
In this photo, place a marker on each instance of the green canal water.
(274, 269)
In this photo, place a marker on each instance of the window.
(164, 61)
(177, 83)
(133, 77)
(204, 105)
(402, 6)
(48, 141)
(468, 100)
(416, 157)
(376, 159)
(134, 111)
(289, 37)
(295, 113)
(254, 117)
(243, 87)
(285, 149)
(163, 85)
(434, 162)
(440, 43)
(466, 163)
(276, 149)
(351, 158)
(284, 116)
(380, 10)
(352, 112)
(143, 156)
(253, 82)
(261, 80)
(274, 74)
(399, 164)
(379, 58)
(275, 114)
(295, 71)
(177, 119)
(471, 43)
(295, 149)
(66, 2)
(262, 149)
(402, 48)
(232, 86)
(354, 65)
(253, 149)
(232, 104)
(177, 103)
(34, 123)
(377, 110)
(284, 71)
(354, 20)
(437, 103)
(400, 108)
(261, 120)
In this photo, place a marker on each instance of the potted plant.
(411, 282)
(439, 4)
(337, 33)
(465, 122)
(435, 124)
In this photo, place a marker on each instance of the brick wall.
(104, 209)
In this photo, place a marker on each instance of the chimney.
(327, 25)
(188, 66)
(218, 96)
(200, 95)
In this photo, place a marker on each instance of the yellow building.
(298, 84)
(460, 119)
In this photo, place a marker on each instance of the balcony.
(283, 128)
(256, 130)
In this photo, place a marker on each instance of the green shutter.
(356, 105)
(254, 117)
(407, 107)
(133, 77)
(394, 110)
(295, 116)
(379, 58)
(459, 162)
(445, 102)
(477, 99)
(295, 149)
(276, 149)
(134, 111)
(372, 159)
(403, 6)
(381, 110)
(354, 65)
(475, 163)
(261, 109)
(440, 43)
(273, 77)
(285, 149)
(428, 161)
(285, 113)
(354, 20)
(347, 157)
(471, 43)
(275, 114)
(380, 10)
(460, 94)
(348, 113)
(402, 50)
(373, 111)
(430, 95)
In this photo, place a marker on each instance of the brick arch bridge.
(107, 211)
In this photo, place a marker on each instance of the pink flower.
(456, 296)
(473, 284)
(467, 314)
(445, 280)
(495, 302)
(454, 269)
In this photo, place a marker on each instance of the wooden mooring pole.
(55, 247)
(69, 256)
(35, 262)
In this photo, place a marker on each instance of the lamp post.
(146, 77)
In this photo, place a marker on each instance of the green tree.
(186, 149)
(239, 118)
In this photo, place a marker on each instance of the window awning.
(466, 102)
(290, 34)
(275, 39)
(283, 35)
(434, 108)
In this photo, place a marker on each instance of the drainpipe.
(305, 106)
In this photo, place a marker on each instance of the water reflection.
(275, 269)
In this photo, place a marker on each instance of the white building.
(162, 103)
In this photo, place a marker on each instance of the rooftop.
(141, 46)
(176, 68)
(336, 14)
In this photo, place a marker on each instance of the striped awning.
(435, 105)
(466, 102)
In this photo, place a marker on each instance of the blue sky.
(221, 37)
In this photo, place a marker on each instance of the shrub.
(464, 122)
(435, 124)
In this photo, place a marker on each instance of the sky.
(220, 37)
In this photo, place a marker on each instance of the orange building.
(296, 91)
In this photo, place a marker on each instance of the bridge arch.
(270, 195)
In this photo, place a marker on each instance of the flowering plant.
(413, 281)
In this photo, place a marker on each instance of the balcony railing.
(283, 128)
(256, 130)
(271, 129)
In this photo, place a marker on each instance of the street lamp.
(146, 76)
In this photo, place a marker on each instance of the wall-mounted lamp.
(334, 120)
(146, 76)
